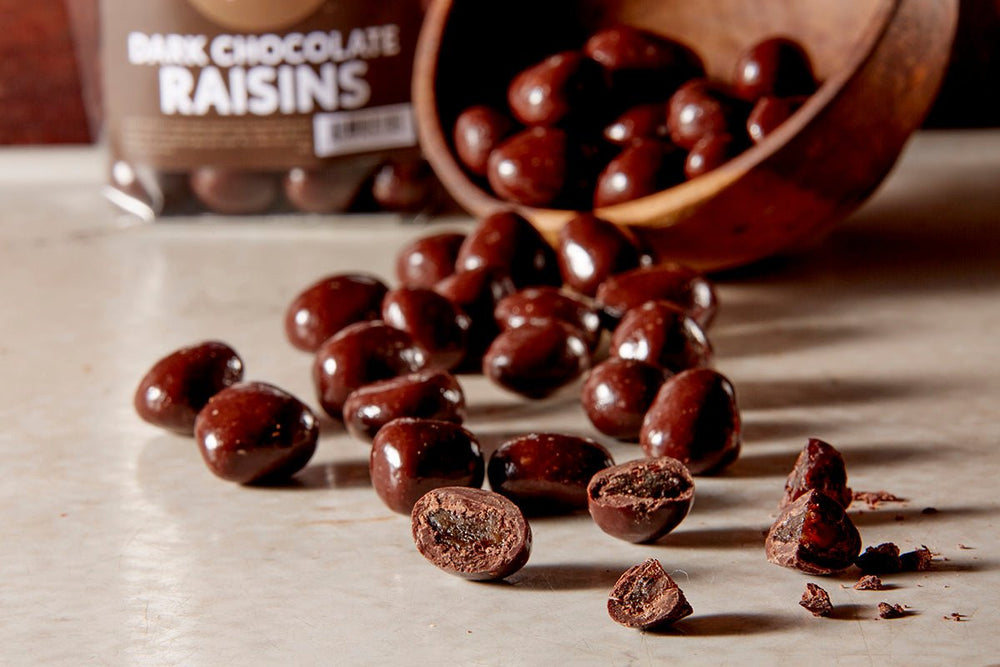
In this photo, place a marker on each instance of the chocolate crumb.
(874, 498)
(929, 510)
(917, 560)
(869, 582)
(955, 616)
(964, 546)
(883, 559)
(816, 600)
(886, 610)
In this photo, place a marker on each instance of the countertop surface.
(119, 547)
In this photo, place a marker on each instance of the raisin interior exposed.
(471, 533)
(642, 500)
(819, 466)
(813, 535)
(646, 597)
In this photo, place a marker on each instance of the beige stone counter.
(118, 546)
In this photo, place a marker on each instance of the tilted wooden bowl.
(880, 61)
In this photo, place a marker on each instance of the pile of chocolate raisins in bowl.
(629, 114)
(589, 314)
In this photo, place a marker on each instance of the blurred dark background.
(49, 72)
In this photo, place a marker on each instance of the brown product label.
(257, 84)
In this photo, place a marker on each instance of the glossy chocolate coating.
(534, 304)
(329, 305)
(769, 113)
(172, 392)
(813, 535)
(478, 130)
(709, 153)
(700, 108)
(255, 433)
(642, 66)
(535, 360)
(323, 190)
(410, 457)
(694, 419)
(403, 185)
(645, 597)
(642, 121)
(509, 244)
(661, 333)
(617, 394)
(677, 283)
(362, 353)
(776, 67)
(428, 260)
(434, 322)
(546, 473)
(819, 466)
(234, 192)
(532, 167)
(641, 501)
(562, 85)
(644, 167)
(477, 292)
(471, 533)
(591, 250)
(424, 395)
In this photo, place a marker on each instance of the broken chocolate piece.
(917, 560)
(472, 533)
(886, 610)
(883, 559)
(819, 466)
(813, 535)
(641, 500)
(646, 597)
(869, 582)
(816, 600)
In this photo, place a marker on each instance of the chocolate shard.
(819, 466)
(814, 535)
(886, 610)
(917, 560)
(816, 600)
(646, 597)
(869, 582)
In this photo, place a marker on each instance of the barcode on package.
(372, 129)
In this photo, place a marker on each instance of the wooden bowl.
(880, 61)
